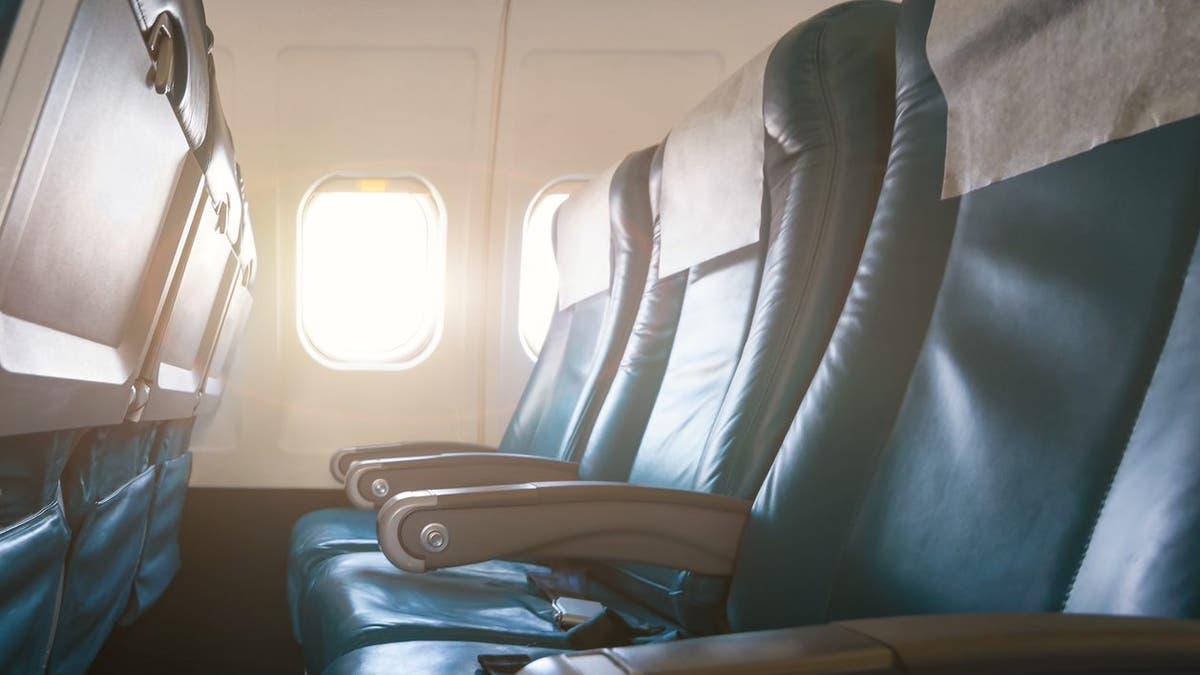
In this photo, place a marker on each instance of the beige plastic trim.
(339, 464)
(593, 520)
(711, 194)
(952, 643)
(371, 482)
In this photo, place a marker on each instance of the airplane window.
(538, 292)
(370, 272)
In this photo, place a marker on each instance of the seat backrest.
(788, 154)
(982, 435)
(588, 332)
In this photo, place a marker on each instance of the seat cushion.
(425, 657)
(318, 536)
(360, 599)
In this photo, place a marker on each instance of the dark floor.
(226, 611)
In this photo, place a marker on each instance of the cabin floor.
(226, 610)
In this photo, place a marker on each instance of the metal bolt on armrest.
(435, 538)
(379, 488)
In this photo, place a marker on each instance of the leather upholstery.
(160, 546)
(1005, 416)
(855, 394)
(719, 355)
(828, 110)
(108, 487)
(1045, 412)
(487, 602)
(565, 390)
(575, 368)
(33, 545)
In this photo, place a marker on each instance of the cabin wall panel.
(360, 88)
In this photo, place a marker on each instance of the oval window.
(538, 291)
(370, 281)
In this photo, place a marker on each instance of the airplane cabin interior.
(621, 337)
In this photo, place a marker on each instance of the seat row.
(126, 263)
(815, 396)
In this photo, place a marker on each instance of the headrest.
(711, 194)
(583, 237)
(1029, 82)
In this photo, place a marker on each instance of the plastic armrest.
(371, 482)
(431, 529)
(339, 464)
(950, 643)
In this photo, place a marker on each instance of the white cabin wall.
(386, 87)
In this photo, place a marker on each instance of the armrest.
(950, 643)
(339, 464)
(431, 529)
(371, 482)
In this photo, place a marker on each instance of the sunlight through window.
(370, 272)
(538, 292)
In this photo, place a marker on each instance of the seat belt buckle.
(570, 612)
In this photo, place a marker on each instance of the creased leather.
(108, 486)
(1003, 473)
(160, 547)
(728, 395)
(856, 391)
(34, 551)
(487, 602)
(1057, 298)
(573, 371)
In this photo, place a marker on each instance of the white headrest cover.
(1028, 82)
(712, 182)
(583, 233)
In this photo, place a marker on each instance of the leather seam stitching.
(609, 361)
(1133, 427)
(823, 229)
(877, 458)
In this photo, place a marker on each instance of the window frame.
(437, 249)
(579, 179)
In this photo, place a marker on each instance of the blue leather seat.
(568, 383)
(718, 360)
(1004, 420)
(33, 545)
(159, 561)
(108, 487)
